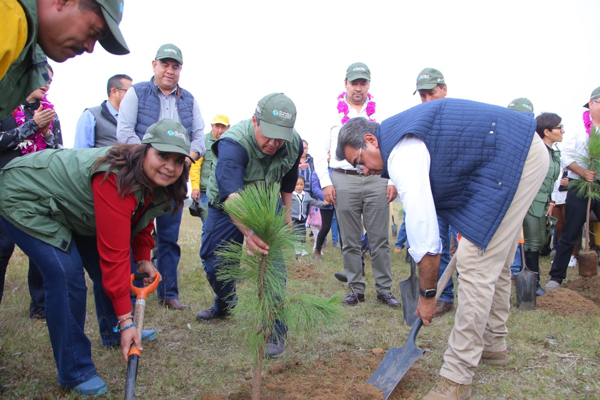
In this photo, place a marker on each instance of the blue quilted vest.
(149, 107)
(477, 156)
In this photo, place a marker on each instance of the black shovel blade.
(132, 368)
(526, 285)
(396, 363)
(409, 290)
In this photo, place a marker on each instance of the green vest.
(48, 195)
(29, 72)
(209, 162)
(261, 167)
(540, 204)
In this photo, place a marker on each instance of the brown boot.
(443, 307)
(448, 390)
(498, 358)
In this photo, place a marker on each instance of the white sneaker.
(573, 262)
(552, 285)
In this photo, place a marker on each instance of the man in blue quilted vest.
(472, 165)
(431, 85)
(143, 105)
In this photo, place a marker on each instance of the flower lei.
(587, 121)
(37, 141)
(344, 110)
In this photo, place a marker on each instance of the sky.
(236, 52)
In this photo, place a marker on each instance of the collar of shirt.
(174, 91)
(113, 111)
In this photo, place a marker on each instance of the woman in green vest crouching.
(76, 209)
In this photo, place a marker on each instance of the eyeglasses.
(561, 127)
(118, 88)
(359, 167)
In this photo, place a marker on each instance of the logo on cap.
(121, 8)
(170, 51)
(423, 77)
(282, 114)
(358, 69)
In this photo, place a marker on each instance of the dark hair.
(546, 121)
(301, 177)
(91, 5)
(49, 67)
(304, 141)
(353, 134)
(128, 160)
(115, 82)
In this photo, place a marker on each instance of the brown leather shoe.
(353, 299)
(175, 304)
(398, 250)
(388, 299)
(498, 358)
(443, 307)
(448, 390)
(317, 254)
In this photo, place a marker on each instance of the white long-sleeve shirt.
(408, 167)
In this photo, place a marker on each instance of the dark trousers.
(219, 229)
(34, 276)
(326, 218)
(66, 295)
(168, 254)
(575, 213)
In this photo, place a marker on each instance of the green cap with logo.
(521, 104)
(358, 70)
(595, 95)
(428, 79)
(169, 51)
(112, 10)
(277, 114)
(169, 136)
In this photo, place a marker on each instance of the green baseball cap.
(521, 104)
(428, 79)
(169, 51)
(169, 136)
(114, 43)
(594, 96)
(277, 114)
(358, 71)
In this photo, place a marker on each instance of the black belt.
(346, 171)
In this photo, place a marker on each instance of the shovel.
(409, 289)
(398, 360)
(394, 226)
(525, 282)
(134, 353)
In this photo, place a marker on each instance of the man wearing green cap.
(358, 196)
(573, 151)
(267, 149)
(431, 85)
(144, 104)
(33, 29)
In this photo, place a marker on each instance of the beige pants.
(484, 281)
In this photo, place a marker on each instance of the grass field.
(551, 356)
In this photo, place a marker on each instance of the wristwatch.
(428, 294)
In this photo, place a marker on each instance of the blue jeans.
(168, 253)
(335, 233)
(448, 293)
(517, 265)
(220, 229)
(402, 241)
(34, 276)
(65, 290)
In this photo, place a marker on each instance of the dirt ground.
(566, 302)
(342, 379)
(587, 287)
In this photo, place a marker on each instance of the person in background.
(97, 126)
(32, 127)
(301, 201)
(551, 130)
(200, 171)
(72, 210)
(146, 103)
(306, 168)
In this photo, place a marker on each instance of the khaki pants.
(484, 280)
